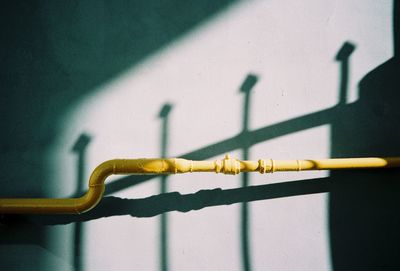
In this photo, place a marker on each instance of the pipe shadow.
(174, 201)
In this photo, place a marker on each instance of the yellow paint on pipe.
(178, 165)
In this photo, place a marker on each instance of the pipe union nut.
(230, 166)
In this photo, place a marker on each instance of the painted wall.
(87, 82)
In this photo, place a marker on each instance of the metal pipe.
(177, 165)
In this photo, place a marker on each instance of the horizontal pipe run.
(174, 166)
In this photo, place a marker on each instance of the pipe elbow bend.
(90, 199)
(96, 187)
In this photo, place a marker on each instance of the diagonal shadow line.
(174, 201)
(242, 140)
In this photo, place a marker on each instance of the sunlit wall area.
(256, 79)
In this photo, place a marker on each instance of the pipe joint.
(230, 166)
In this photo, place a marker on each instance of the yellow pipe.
(173, 166)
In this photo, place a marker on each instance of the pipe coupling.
(230, 166)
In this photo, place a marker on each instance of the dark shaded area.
(55, 52)
(52, 54)
(364, 217)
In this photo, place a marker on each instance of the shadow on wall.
(363, 210)
(52, 54)
(51, 57)
(80, 148)
(163, 234)
(364, 206)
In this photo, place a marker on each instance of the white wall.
(291, 47)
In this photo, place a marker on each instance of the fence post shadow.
(163, 115)
(246, 88)
(80, 148)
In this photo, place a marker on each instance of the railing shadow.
(363, 206)
(377, 104)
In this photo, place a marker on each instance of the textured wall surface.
(86, 82)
